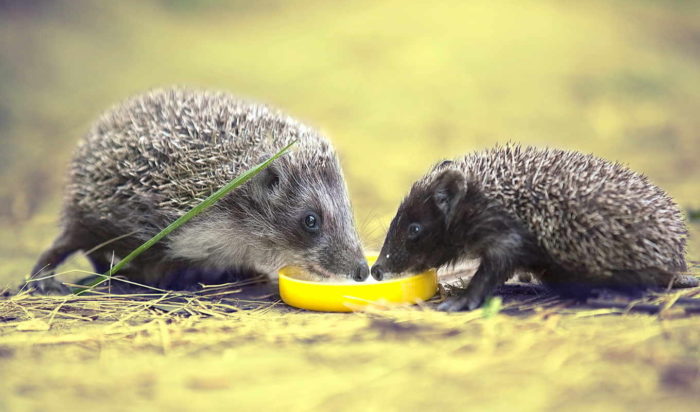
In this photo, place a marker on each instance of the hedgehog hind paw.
(685, 281)
(462, 301)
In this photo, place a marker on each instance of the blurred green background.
(395, 85)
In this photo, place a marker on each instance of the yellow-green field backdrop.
(396, 85)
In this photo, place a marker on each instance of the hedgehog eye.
(414, 230)
(311, 222)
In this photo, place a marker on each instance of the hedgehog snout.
(378, 271)
(361, 272)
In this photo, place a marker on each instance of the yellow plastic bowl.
(349, 296)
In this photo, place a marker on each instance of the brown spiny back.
(585, 211)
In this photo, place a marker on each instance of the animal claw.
(460, 302)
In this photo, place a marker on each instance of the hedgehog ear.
(269, 178)
(448, 191)
(443, 164)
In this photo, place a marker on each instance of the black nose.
(378, 272)
(361, 272)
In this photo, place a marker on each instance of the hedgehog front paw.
(49, 286)
(463, 301)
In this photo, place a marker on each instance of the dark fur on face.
(455, 221)
(421, 235)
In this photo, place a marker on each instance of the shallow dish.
(349, 296)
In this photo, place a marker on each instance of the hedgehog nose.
(361, 272)
(378, 272)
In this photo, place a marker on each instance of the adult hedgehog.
(577, 222)
(149, 160)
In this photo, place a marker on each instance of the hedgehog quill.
(576, 222)
(148, 160)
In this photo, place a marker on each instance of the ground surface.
(396, 85)
(196, 352)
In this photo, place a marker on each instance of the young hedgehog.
(575, 221)
(149, 160)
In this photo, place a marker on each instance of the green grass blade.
(206, 203)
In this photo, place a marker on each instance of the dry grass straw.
(148, 302)
(145, 304)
